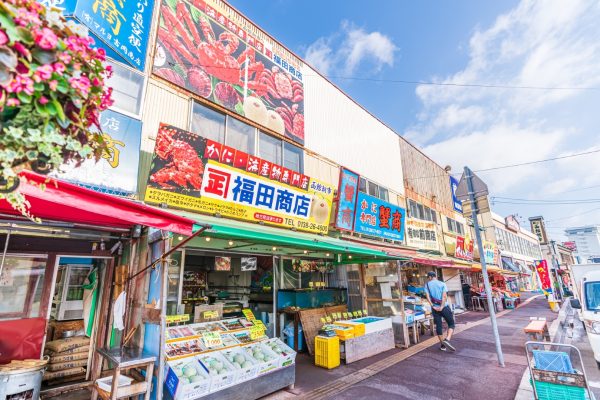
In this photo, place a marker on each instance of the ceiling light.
(274, 248)
(350, 257)
(180, 238)
(230, 243)
(207, 239)
(305, 251)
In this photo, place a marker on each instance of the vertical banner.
(456, 203)
(541, 266)
(347, 192)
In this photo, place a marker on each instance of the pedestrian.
(437, 295)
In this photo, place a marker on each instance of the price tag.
(256, 332)
(258, 322)
(248, 314)
(360, 314)
(365, 313)
(212, 339)
(312, 284)
(328, 319)
(345, 315)
(355, 314)
(172, 319)
(210, 314)
(323, 320)
(338, 315)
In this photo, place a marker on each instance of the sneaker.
(449, 345)
(443, 348)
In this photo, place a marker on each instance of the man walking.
(437, 295)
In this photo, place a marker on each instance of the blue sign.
(376, 217)
(123, 25)
(117, 171)
(67, 7)
(346, 200)
(456, 203)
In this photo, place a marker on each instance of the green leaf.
(172, 4)
(43, 56)
(25, 35)
(51, 108)
(8, 58)
(24, 97)
(9, 26)
(5, 76)
(62, 86)
(59, 110)
(38, 86)
(195, 13)
(239, 108)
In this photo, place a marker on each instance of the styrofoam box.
(288, 356)
(106, 383)
(244, 374)
(178, 384)
(375, 324)
(222, 380)
(264, 366)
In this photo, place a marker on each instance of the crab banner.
(193, 173)
(211, 50)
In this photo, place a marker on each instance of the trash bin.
(23, 384)
(289, 333)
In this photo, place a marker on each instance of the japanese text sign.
(456, 203)
(490, 252)
(210, 49)
(347, 194)
(541, 266)
(212, 339)
(65, 6)
(197, 174)
(421, 234)
(117, 171)
(464, 248)
(123, 25)
(376, 217)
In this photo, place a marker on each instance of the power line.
(574, 215)
(547, 201)
(542, 203)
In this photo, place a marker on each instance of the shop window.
(21, 287)
(383, 194)
(362, 185)
(454, 226)
(293, 157)
(373, 189)
(240, 136)
(208, 123)
(270, 148)
(128, 86)
(420, 211)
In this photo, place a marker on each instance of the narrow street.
(431, 374)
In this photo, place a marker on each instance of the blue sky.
(514, 43)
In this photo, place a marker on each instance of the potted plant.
(52, 91)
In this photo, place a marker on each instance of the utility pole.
(486, 280)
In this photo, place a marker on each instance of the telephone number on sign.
(312, 226)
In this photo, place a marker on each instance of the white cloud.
(350, 47)
(537, 44)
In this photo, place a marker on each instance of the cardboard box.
(187, 379)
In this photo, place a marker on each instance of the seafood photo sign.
(206, 47)
(198, 174)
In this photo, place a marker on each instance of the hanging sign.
(197, 174)
(541, 267)
(222, 263)
(456, 203)
(379, 218)
(421, 234)
(210, 49)
(249, 263)
(122, 25)
(464, 248)
(347, 193)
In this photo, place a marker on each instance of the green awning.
(226, 234)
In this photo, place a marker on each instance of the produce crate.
(285, 352)
(553, 391)
(327, 352)
(358, 327)
(218, 380)
(343, 332)
(247, 368)
(269, 363)
(183, 383)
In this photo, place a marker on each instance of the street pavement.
(470, 373)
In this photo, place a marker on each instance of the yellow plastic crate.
(343, 332)
(358, 327)
(327, 352)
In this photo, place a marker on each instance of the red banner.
(542, 269)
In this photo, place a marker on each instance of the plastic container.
(183, 383)
(269, 363)
(358, 327)
(245, 372)
(287, 355)
(289, 334)
(553, 391)
(218, 379)
(327, 352)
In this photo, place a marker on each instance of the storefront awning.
(461, 264)
(66, 202)
(490, 268)
(231, 235)
(433, 261)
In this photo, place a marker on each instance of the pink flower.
(43, 73)
(21, 83)
(24, 51)
(46, 39)
(81, 84)
(53, 84)
(3, 38)
(106, 99)
(101, 54)
(25, 17)
(65, 57)
(13, 102)
(108, 71)
(59, 68)
(96, 81)
(43, 100)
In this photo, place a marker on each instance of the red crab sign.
(198, 174)
(199, 48)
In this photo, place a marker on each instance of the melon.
(239, 358)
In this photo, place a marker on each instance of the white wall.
(339, 129)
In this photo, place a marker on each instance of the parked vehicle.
(586, 285)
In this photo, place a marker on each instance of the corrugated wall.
(339, 129)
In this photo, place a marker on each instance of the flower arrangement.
(52, 90)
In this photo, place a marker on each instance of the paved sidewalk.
(424, 372)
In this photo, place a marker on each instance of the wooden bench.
(537, 330)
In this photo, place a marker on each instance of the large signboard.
(571, 246)
(198, 174)
(490, 253)
(123, 25)
(541, 266)
(464, 248)
(422, 234)
(117, 171)
(347, 193)
(456, 203)
(208, 48)
(539, 228)
(376, 217)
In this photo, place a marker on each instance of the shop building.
(587, 242)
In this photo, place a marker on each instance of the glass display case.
(68, 299)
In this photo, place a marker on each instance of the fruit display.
(189, 371)
(221, 372)
(187, 379)
(266, 358)
(287, 355)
